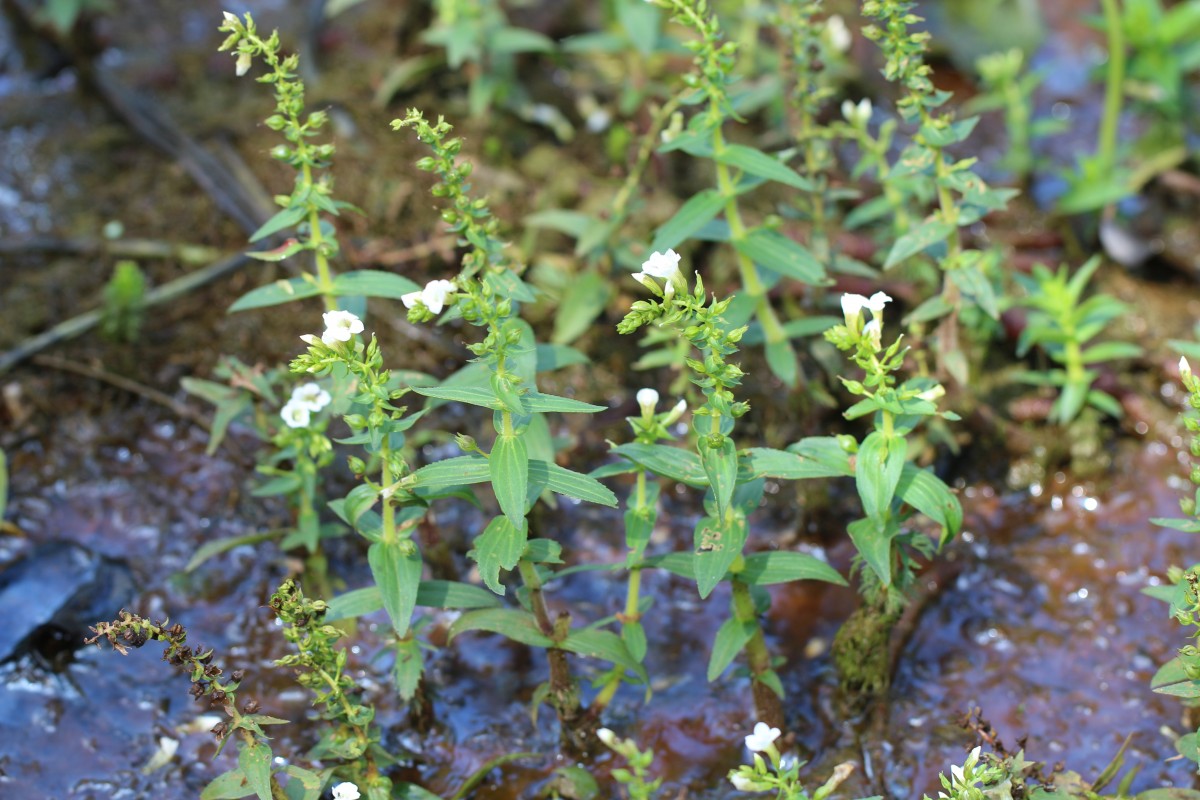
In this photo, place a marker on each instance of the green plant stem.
(563, 694)
(324, 276)
(1106, 146)
(387, 512)
(772, 329)
(767, 705)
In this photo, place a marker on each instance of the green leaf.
(585, 298)
(499, 547)
(460, 470)
(520, 626)
(508, 467)
(285, 218)
(764, 462)
(1108, 351)
(519, 40)
(605, 645)
(543, 403)
(430, 594)
(974, 284)
(926, 492)
(690, 217)
(778, 253)
(543, 551)
(1170, 672)
(1185, 525)
(274, 294)
(1182, 689)
(396, 567)
(669, 462)
(407, 668)
(730, 640)
(877, 471)
(765, 569)
(572, 223)
(210, 549)
(254, 761)
(681, 564)
(718, 544)
(634, 636)
(308, 782)
(770, 679)
(756, 162)
(826, 457)
(227, 786)
(873, 540)
(373, 283)
(720, 467)
(926, 235)
(639, 525)
(556, 356)
(547, 474)
(471, 395)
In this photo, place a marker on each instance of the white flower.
(762, 738)
(648, 400)
(1185, 369)
(873, 333)
(742, 783)
(346, 791)
(930, 395)
(433, 296)
(662, 265)
(243, 64)
(837, 34)
(957, 774)
(852, 305)
(858, 114)
(311, 396)
(309, 339)
(877, 302)
(230, 17)
(296, 415)
(675, 413)
(604, 734)
(340, 326)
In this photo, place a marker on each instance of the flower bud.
(647, 399)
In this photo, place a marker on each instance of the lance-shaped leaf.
(396, 567)
(499, 547)
(877, 471)
(669, 462)
(718, 543)
(520, 626)
(720, 467)
(508, 467)
(731, 638)
(873, 539)
(926, 492)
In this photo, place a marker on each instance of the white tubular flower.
(230, 17)
(852, 308)
(675, 413)
(763, 737)
(340, 326)
(743, 783)
(605, 735)
(435, 293)
(309, 339)
(877, 302)
(648, 400)
(295, 415)
(243, 64)
(1185, 369)
(931, 395)
(411, 299)
(346, 791)
(311, 396)
(837, 34)
(858, 114)
(873, 333)
(662, 265)
(956, 773)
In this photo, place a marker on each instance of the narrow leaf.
(730, 640)
(690, 217)
(396, 567)
(499, 547)
(508, 467)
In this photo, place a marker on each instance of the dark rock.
(50, 597)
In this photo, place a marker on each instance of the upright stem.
(767, 705)
(324, 276)
(1106, 147)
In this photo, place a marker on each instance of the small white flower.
(605, 735)
(762, 738)
(231, 17)
(1185, 369)
(433, 296)
(877, 302)
(873, 333)
(346, 791)
(340, 326)
(662, 265)
(435, 293)
(675, 413)
(243, 64)
(742, 783)
(957, 774)
(295, 415)
(853, 304)
(837, 34)
(930, 395)
(648, 400)
(311, 396)
(858, 114)
(309, 339)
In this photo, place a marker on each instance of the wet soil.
(1044, 627)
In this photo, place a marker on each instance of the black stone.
(49, 598)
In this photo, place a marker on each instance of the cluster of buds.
(130, 630)
(964, 782)
(634, 778)
(425, 304)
